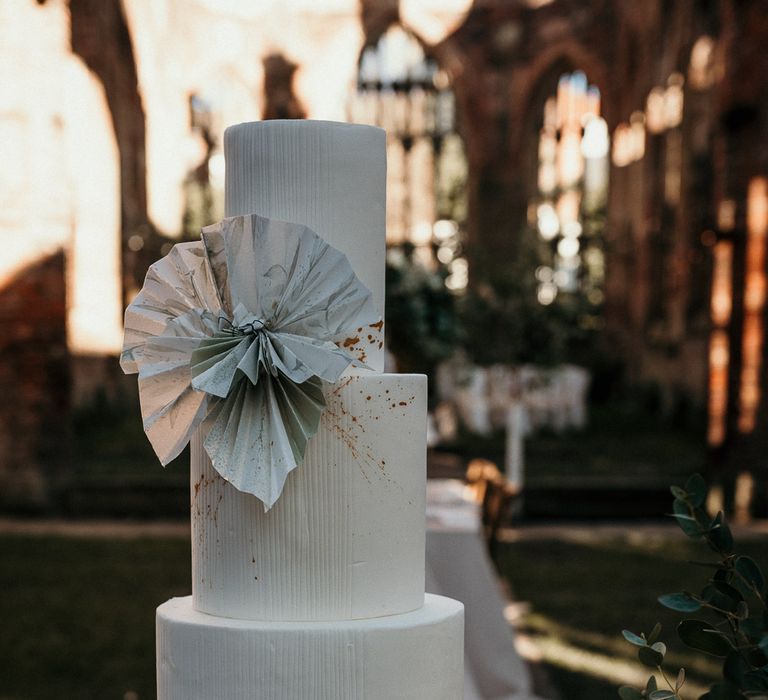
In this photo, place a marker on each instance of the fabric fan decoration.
(236, 334)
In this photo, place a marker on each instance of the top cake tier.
(329, 176)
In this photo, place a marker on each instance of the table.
(458, 566)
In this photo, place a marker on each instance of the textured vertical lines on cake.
(329, 176)
(414, 656)
(289, 563)
(346, 538)
(282, 665)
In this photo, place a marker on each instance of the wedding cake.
(320, 594)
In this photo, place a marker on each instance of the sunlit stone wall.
(58, 179)
(61, 272)
(59, 186)
(59, 236)
(215, 50)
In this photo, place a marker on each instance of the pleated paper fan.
(235, 335)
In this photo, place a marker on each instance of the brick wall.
(34, 386)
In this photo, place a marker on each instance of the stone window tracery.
(572, 191)
(402, 89)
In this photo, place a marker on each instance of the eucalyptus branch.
(737, 637)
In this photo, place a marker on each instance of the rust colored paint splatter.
(341, 385)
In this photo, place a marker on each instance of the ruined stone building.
(630, 137)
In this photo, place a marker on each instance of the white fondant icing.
(413, 656)
(327, 175)
(346, 538)
(343, 549)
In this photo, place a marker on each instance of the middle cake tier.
(346, 538)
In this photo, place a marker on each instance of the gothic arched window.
(572, 190)
(402, 89)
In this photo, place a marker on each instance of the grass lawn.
(582, 594)
(618, 443)
(78, 614)
(608, 449)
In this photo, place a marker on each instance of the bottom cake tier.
(415, 656)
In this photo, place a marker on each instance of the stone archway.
(100, 36)
(566, 155)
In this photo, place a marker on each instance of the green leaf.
(728, 591)
(702, 636)
(628, 693)
(685, 520)
(751, 573)
(683, 516)
(718, 600)
(706, 564)
(739, 584)
(632, 638)
(696, 488)
(650, 685)
(682, 602)
(752, 627)
(655, 632)
(651, 656)
(719, 535)
(681, 507)
(680, 679)
(661, 695)
(677, 492)
(702, 517)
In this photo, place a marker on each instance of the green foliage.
(680, 602)
(505, 323)
(515, 329)
(498, 320)
(422, 322)
(734, 600)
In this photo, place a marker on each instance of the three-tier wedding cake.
(321, 595)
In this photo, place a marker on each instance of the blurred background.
(577, 211)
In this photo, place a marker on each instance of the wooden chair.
(497, 496)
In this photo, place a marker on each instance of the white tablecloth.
(458, 566)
